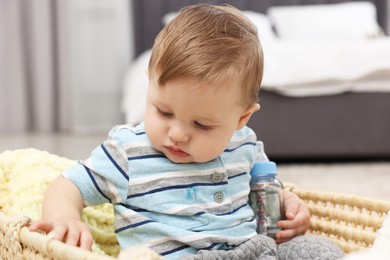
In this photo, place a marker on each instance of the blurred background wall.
(62, 64)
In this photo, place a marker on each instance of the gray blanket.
(262, 247)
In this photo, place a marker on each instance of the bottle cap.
(264, 168)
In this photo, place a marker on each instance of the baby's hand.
(70, 231)
(297, 218)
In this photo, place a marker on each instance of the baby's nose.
(178, 134)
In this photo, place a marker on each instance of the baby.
(179, 181)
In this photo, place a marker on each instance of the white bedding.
(297, 68)
(134, 91)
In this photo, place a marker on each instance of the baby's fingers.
(86, 240)
(79, 235)
(285, 235)
(72, 236)
(41, 226)
(71, 233)
(56, 231)
(59, 231)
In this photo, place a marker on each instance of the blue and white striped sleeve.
(103, 177)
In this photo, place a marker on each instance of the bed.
(323, 97)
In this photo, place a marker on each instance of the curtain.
(62, 64)
(27, 86)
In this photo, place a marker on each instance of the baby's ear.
(247, 115)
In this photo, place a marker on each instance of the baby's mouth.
(176, 151)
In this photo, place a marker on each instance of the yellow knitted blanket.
(24, 177)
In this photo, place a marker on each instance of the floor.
(370, 179)
(76, 146)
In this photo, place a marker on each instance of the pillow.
(343, 21)
(168, 17)
(260, 20)
(263, 24)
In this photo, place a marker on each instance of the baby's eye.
(202, 127)
(164, 114)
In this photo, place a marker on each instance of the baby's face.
(192, 121)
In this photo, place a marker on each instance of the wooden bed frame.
(349, 126)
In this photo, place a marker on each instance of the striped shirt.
(175, 209)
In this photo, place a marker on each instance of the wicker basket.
(17, 242)
(349, 221)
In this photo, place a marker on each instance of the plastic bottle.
(266, 197)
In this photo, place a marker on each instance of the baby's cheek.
(208, 151)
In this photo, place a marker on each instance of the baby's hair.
(210, 43)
